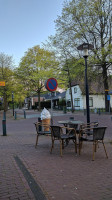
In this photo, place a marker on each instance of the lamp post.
(13, 102)
(85, 47)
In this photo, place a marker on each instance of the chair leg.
(95, 146)
(80, 146)
(105, 149)
(62, 144)
(36, 141)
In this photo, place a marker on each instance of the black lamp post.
(13, 102)
(85, 47)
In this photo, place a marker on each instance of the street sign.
(108, 97)
(51, 84)
(106, 90)
(2, 83)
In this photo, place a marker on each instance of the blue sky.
(26, 23)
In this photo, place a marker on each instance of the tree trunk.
(5, 103)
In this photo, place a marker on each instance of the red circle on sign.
(51, 84)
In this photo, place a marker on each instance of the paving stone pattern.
(71, 177)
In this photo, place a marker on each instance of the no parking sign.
(51, 84)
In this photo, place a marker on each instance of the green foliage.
(85, 21)
(89, 22)
(6, 75)
(36, 66)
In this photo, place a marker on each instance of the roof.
(60, 95)
(95, 86)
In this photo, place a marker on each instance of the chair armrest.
(69, 130)
(42, 128)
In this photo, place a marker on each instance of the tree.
(6, 75)
(87, 21)
(70, 67)
(36, 66)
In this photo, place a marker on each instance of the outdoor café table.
(70, 122)
(66, 123)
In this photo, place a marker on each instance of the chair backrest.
(98, 133)
(56, 131)
(73, 126)
(88, 128)
(94, 124)
(40, 127)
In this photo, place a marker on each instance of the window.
(75, 90)
(69, 103)
(90, 101)
(77, 102)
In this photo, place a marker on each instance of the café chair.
(88, 128)
(41, 129)
(57, 133)
(74, 125)
(96, 138)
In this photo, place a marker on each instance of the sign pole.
(51, 85)
(51, 110)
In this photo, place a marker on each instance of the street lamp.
(13, 102)
(85, 47)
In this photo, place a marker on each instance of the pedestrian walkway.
(27, 173)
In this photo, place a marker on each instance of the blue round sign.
(51, 84)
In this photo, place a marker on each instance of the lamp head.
(85, 52)
(85, 47)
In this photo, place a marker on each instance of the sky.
(26, 23)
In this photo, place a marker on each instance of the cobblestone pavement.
(27, 173)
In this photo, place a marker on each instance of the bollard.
(4, 115)
(15, 116)
(84, 111)
(99, 111)
(4, 124)
(4, 127)
(95, 110)
(24, 114)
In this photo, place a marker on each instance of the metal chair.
(87, 129)
(96, 138)
(41, 129)
(57, 133)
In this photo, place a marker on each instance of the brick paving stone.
(71, 177)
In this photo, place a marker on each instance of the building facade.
(79, 99)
